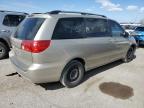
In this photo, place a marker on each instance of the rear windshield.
(140, 29)
(29, 28)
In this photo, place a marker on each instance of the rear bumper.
(38, 73)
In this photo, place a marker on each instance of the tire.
(130, 55)
(138, 43)
(72, 74)
(3, 51)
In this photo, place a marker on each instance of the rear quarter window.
(29, 28)
(69, 28)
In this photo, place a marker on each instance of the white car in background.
(130, 27)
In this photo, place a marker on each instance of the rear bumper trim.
(38, 74)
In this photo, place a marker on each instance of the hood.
(139, 32)
(139, 35)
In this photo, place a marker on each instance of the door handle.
(122, 42)
(112, 40)
(6, 31)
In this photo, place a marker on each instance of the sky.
(120, 10)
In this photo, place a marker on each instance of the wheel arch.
(76, 58)
(133, 46)
(63, 79)
(5, 42)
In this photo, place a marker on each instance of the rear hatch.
(23, 39)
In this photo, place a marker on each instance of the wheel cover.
(130, 54)
(73, 73)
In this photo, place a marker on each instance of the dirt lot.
(116, 85)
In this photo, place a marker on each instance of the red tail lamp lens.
(35, 46)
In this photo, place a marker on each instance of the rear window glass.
(29, 28)
(69, 28)
(140, 29)
(13, 20)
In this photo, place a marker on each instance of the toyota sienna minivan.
(63, 45)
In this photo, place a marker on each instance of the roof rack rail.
(13, 11)
(82, 13)
(37, 13)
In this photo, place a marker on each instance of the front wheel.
(138, 43)
(130, 55)
(72, 74)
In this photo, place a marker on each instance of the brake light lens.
(35, 46)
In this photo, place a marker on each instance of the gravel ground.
(116, 85)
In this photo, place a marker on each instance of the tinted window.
(116, 29)
(28, 28)
(97, 27)
(69, 28)
(13, 20)
(140, 29)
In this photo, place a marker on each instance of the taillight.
(35, 46)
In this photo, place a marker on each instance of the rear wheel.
(3, 50)
(130, 55)
(72, 74)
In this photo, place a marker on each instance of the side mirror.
(126, 34)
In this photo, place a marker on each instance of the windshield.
(139, 29)
(29, 28)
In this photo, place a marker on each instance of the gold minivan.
(62, 46)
